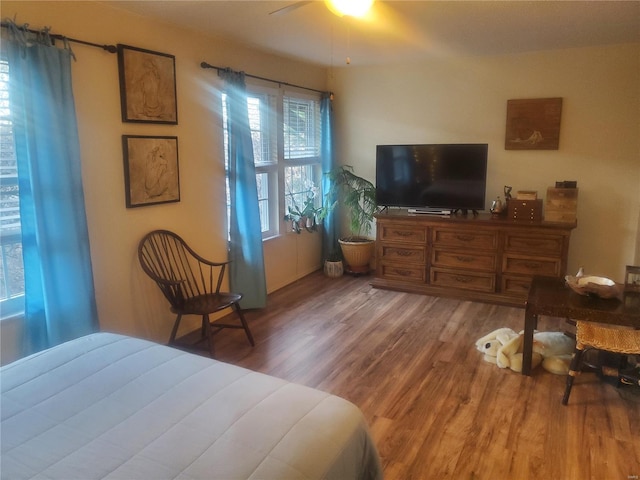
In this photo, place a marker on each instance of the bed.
(116, 407)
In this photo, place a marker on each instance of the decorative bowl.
(592, 285)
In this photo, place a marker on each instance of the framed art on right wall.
(533, 124)
(632, 279)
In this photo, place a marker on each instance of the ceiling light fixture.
(352, 8)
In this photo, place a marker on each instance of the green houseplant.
(306, 217)
(357, 196)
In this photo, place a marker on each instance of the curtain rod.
(57, 36)
(206, 65)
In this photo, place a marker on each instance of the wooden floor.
(435, 408)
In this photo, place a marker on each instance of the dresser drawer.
(534, 244)
(482, 282)
(467, 260)
(514, 285)
(513, 263)
(402, 233)
(465, 239)
(404, 253)
(409, 273)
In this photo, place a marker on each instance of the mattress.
(116, 407)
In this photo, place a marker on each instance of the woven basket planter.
(333, 269)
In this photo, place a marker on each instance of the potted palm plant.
(358, 197)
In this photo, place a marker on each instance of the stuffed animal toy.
(504, 348)
(510, 355)
(556, 349)
(491, 343)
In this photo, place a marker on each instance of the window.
(301, 151)
(285, 132)
(11, 266)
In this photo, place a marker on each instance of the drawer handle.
(404, 253)
(402, 233)
(460, 279)
(530, 243)
(404, 273)
(460, 258)
(465, 238)
(532, 265)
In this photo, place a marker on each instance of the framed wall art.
(147, 86)
(632, 279)
(151, 170)
(533, 124)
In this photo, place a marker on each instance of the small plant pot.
(333, 269)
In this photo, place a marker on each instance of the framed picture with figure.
(151, 171)
(533, 124)
(147, 86)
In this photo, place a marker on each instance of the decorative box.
(527, 195)
(526, 210)
(561, 205)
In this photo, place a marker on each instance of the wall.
(457, 99)
(445, 99)
(128, 302)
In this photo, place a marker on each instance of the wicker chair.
(190, 283)
(590, 335)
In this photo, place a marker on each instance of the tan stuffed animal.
(552, 349)
(510, 355)
(556, 349)
(492, 342)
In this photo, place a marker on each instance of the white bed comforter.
(110, 406)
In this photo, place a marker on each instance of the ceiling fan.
(353, 8)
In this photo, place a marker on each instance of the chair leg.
(206, 325)
(245, 325)
(203, 327)
(574, 371)
(174, 331)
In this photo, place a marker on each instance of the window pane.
(11, 270)
(262, 180)
(11, 266)
(294, 131)
(301, 128)
(262, 135)
(299, 186)
(257, 137)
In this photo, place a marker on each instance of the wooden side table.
(553, 298)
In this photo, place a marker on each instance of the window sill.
(12, 308)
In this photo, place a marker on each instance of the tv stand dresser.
(479, 257)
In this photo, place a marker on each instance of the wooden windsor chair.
(190, 283)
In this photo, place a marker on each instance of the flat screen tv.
(435, 176)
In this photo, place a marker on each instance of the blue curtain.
(246, 271)
(59, 292)
(330, 246)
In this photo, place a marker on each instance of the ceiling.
(401, 31)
